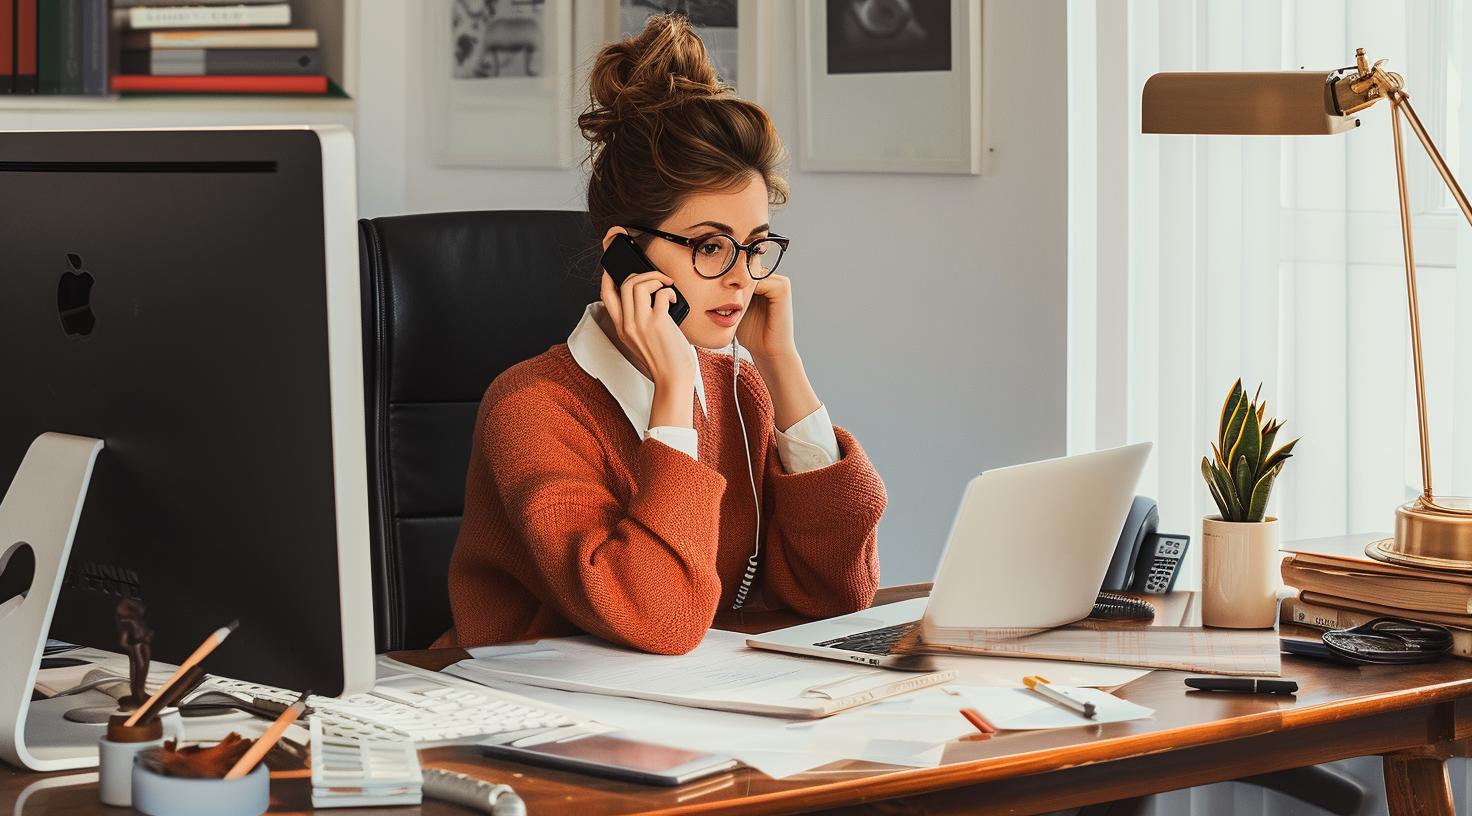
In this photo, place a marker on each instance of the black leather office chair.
(450, 300)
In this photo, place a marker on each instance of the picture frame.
(500, 77)
(916, 64)
(743, 48)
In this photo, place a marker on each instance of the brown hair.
(660, 126)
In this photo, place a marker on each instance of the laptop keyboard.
(874, 641)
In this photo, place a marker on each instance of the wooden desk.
(1415, 716)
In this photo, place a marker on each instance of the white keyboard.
(424, 709)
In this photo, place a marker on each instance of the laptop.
(1028, 549)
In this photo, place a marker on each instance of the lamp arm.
(1400, 103)
(1400, 99)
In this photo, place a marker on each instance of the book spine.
(7, 46)
(94, 47)
(25, 46)
(201, 16)
(48, 47)
(69, 46)
(223, 84)
(231, 61)
(128, 4)
(223, 62)
(1319, 616)
(224, 38)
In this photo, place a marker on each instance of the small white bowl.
(159, 795)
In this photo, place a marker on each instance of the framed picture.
(890, 86)
(501, 83)
(729, 29)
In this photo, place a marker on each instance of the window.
(1196, 260)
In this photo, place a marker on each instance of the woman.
(614, 483)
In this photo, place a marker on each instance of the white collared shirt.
(809, 444)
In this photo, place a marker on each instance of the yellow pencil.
(267, 740)
(215, 639)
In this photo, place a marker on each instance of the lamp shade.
(1245, 103)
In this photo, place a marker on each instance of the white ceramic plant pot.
(1240, 573)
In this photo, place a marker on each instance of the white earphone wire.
(751, 563)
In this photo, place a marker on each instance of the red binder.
(25, 46)
(7, 46)
(306, 84)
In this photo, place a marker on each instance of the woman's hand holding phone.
(639, 310)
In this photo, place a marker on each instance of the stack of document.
(721, 673)
(1174, 639)
(692, 701)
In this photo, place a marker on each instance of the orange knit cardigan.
(573, 522)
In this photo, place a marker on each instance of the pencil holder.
(157, 795)
(115, 754)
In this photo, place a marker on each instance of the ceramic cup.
(1240, 573)
(115, 754)
(158, 795)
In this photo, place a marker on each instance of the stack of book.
(167, 46)
(215, 46)
(1338, 587)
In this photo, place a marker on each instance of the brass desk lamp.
(1431, 531)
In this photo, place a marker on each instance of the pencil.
(159, 702)
(974, 717)
(210, 643)
(269, 739)
(1038, 685)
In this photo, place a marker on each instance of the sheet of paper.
(983, 670)
(1017, 709)
(51, 681)
(775, 746)
(721, 670)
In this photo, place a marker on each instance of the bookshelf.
(337, 24)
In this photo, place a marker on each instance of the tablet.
(619, 757)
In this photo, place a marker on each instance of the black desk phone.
(1145, 561)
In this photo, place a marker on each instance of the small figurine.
(136, 639)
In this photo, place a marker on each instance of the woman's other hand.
(766, 328)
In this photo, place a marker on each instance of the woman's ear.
(612, 231)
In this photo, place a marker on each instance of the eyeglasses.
(713, 255)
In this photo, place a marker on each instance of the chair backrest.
(450, 300)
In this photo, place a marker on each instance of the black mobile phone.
(624, 258)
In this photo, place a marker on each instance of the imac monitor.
(191, 299)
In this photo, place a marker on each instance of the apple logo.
(74, 297)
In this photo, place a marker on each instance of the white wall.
(931, 310)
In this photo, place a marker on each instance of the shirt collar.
(601, 359)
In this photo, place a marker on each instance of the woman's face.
(716, 305)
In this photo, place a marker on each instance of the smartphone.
(624, 258)
(619, 757)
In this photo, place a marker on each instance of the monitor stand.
(38, 518)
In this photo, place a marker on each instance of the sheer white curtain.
(1195, 260)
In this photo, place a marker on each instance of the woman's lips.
(728, 320)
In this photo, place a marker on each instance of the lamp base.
(1435, 537)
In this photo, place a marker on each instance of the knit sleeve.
(822, 556)
(633, 565)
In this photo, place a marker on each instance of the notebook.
(721, 673)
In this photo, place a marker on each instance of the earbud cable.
(751, 563)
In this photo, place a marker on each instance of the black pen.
(1250, 685)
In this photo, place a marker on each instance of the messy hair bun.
(661, 125)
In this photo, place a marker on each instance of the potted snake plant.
(1239, 545)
